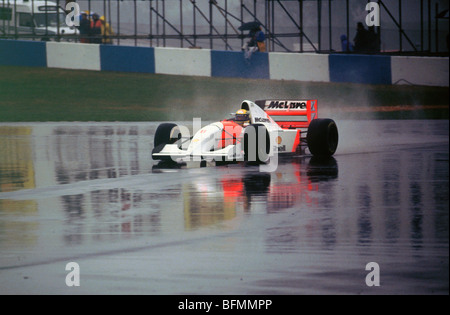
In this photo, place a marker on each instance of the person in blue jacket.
(256, 43)
(345, 44)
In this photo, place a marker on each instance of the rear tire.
(322, 137)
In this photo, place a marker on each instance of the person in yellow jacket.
(106, 31)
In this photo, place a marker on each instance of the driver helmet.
(242, 116)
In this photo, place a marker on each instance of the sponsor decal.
(278, 140)
(281, 148)
(262, 119)
(291, 105)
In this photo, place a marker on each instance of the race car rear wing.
(290, 114)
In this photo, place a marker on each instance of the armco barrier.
(73, 56)
(300, 67)
(369, 69)
(420, 70)
(127, 59)
(180, 61)
(233, 64)
(352, 68)
(23, 53)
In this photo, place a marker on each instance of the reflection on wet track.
(90, 193)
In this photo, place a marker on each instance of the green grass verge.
(43, 94)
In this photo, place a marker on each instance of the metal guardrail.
(418, 27)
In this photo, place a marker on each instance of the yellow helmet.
(242, 115)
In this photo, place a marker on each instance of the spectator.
(106, 31)
(256, 42)
(96, 29)
(345, 44)
(360, 39)
(260, 38)
(84, 28)
(448, 43)
(373, 41)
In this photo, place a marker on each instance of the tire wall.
(366, 69)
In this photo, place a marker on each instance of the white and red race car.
(274, 127)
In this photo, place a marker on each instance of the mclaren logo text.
(285, 105)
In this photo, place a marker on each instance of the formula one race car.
(258, 131)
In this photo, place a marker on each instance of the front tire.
(166, 133)
(322, 137)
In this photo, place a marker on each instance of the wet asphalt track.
(89, 193)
